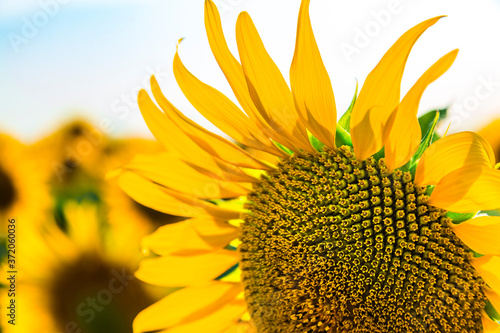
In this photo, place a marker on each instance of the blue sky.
(90, 57)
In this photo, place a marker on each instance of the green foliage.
(342, 135)
(427, 138)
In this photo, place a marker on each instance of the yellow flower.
(80, 280)
(23, 193)
(354, 229)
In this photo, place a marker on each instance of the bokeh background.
(70, 71)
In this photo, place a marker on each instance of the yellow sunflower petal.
(451, 153)
(493, 297)
(171, 172)
(224, 171)
(234, 72)
(182, 238)
(380, 94)
(489, 326)
(468, 189)
(488, 267)
(311, 86)
(242, 327)
(186, 305)
(219, 110)
(150, 195)
(403, 136)
(207, 227)
(178, 143)
(208, 141)
(178, 271)
(267, 86)
(216, 322)
(481, 234)
(194, 203)
(170, 136)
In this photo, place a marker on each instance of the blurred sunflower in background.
(71, 158)
(76, 251)
(23, 190)
(368, 224)
(78, 279)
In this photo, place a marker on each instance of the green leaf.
(460, 217)
(342, 137)
(345, 120)
(285, 149)
(318, 145)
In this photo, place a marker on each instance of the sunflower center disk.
(7, 191)
(332, 244)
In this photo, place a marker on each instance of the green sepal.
(283, 148)
(380, 154)
(229, 271)
(315, 143)
(345, 120)
(233, 204)
(342, 137)
(492, 312)
(476, 255)
(460, 217)
(426, 121)
(429, 189)
(495, 212)
(424, 144)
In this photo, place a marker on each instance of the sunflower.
(71, 157)
(77, 280)
(360, 225)
(23, 193)
(491, 134)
